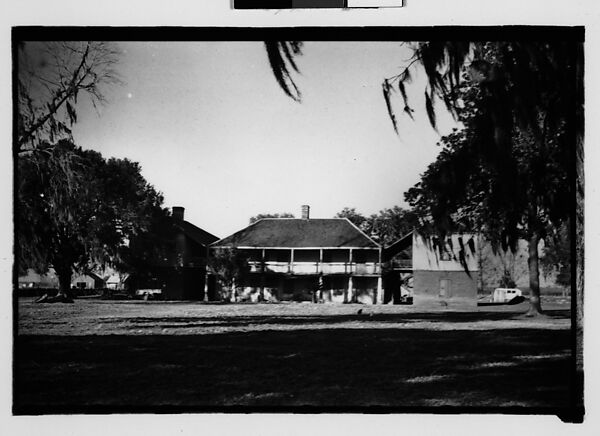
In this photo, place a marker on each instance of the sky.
(215, 133)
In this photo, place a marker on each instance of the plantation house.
(329, 260)
(332, 260)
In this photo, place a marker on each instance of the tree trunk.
(579, 226)
(579, 260)
(535, 305)
(64, 284)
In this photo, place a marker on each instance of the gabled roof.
(299, 233)
(195, 233)
(400, 245)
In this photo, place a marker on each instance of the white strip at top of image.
(375, 3)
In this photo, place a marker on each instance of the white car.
(149, 294)
(504, 295)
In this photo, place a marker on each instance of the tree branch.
(57, 101)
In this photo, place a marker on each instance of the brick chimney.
(178, 213)
(305, 211)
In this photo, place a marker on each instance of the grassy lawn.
(142, 355)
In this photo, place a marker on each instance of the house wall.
(445, 282)
(184, 278)
(249, 289)
(365, 289)
(276, 288)
(427, 258)
(336, 255)
(184, 284)
(462, 289)
(365, 256)
(334, 288)
(285, 288)
(275, 255)
(306, 255)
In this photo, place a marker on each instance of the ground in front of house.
(140, 355)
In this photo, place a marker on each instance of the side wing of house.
(180, 272)
(445, 272)
(185, 279)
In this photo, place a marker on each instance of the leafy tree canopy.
(518, 80)
(557, 256)
(229, 265)
(353, 216)
(386, 227)
(522, 106)
(270, 215)
(76, 210)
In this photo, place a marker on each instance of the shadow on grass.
(266, 320)
(327, 369)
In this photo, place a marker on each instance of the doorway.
(445, 287)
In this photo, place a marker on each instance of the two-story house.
(306, 259)
(181, 273)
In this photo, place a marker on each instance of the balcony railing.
(402, 263)
(277, 267)
(370, 268)
(336, 268)
(366, 268)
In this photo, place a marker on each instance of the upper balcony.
(300, 268)
(314, 261)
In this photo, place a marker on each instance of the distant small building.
(88, 280)
(108, 278)
(116, 281)
(35, 280)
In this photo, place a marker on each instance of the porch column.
(261, 295)
(206, 285)
(379, 297)
(379, 281)
(291, 265)
(349, 264)
(320, 265)
(350, 293)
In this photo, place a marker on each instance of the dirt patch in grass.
(197, 357)
(156, 318)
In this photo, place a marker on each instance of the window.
(446, 250)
